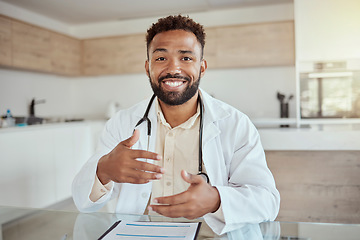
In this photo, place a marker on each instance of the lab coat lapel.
(143, 127)
(212, 158)
(213, 112)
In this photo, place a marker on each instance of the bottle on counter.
(9, 120)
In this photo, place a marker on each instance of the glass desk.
(31, 224)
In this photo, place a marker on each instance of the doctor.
(190, 155)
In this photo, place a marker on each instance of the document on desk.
(152, 230)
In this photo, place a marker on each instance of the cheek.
(195, 73)
(154, 71)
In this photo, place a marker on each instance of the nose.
(173, 66)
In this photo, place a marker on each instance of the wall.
(238, 87)
(328, 32)
(17, 88)
(252, 90)
(89, 97)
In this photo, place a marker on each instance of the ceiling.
(92, 11)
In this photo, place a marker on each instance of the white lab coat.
(233, 158)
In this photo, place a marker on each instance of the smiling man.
(182, 153)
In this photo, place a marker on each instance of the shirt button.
(102, 190)
(168, 183)
(144, 195)
(171, 134)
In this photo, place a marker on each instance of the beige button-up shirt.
(179, 148)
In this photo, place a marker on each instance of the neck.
(176, 115)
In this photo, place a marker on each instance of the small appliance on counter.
(284, 105)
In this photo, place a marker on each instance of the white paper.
(153, 230)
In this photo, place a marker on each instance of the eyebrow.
(180, 51)
(186, 51)
(160, 50)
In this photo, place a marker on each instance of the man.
(190, 132)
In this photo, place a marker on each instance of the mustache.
(178, 76)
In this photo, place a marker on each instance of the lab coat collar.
(213, 112)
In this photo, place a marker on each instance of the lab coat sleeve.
(250, 195)
(84, 180)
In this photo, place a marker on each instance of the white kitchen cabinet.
(26, 162)
(71, 149)
(38, 163)
(327, 30)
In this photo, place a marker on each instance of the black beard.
(175, 98)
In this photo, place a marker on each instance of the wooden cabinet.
(66, 55)
(115, 55)
(28, 47)
(251, 45)
(5, 41)
(31, 47)
(317, 186)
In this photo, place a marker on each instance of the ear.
(147, 67)
(203, 67)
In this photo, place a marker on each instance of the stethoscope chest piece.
(204, 176)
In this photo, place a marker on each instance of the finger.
(179, 198)
(138, 177)
(144, 154)
(174, 211)
(191, 178)
(147, 167)
(131, 140)
(134, 173)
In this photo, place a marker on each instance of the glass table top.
(40, 224)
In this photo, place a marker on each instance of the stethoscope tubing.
(145, 118)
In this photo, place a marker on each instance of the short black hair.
(178, 22)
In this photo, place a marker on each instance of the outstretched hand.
(199, 199)
(121, 164)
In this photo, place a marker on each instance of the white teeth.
(173, 83)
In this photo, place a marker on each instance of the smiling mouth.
(174, 84)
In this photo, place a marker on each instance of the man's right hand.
(121, 164)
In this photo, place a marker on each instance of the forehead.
(175, 40)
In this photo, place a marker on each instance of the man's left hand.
(199, 199)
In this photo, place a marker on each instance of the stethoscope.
(146, 119)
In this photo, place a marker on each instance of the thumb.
(191, 178)
(131, 140)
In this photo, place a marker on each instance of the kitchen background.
(316, 166)
(89, 97)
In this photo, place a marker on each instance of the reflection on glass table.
(31, 224)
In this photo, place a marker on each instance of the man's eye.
(160, 59)
(187, 58)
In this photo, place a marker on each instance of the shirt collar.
(186, 125)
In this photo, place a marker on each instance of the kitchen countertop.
(50, 126)
(316, 137)
(313, 137)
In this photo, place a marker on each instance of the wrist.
(217, 200)
(100, 171)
